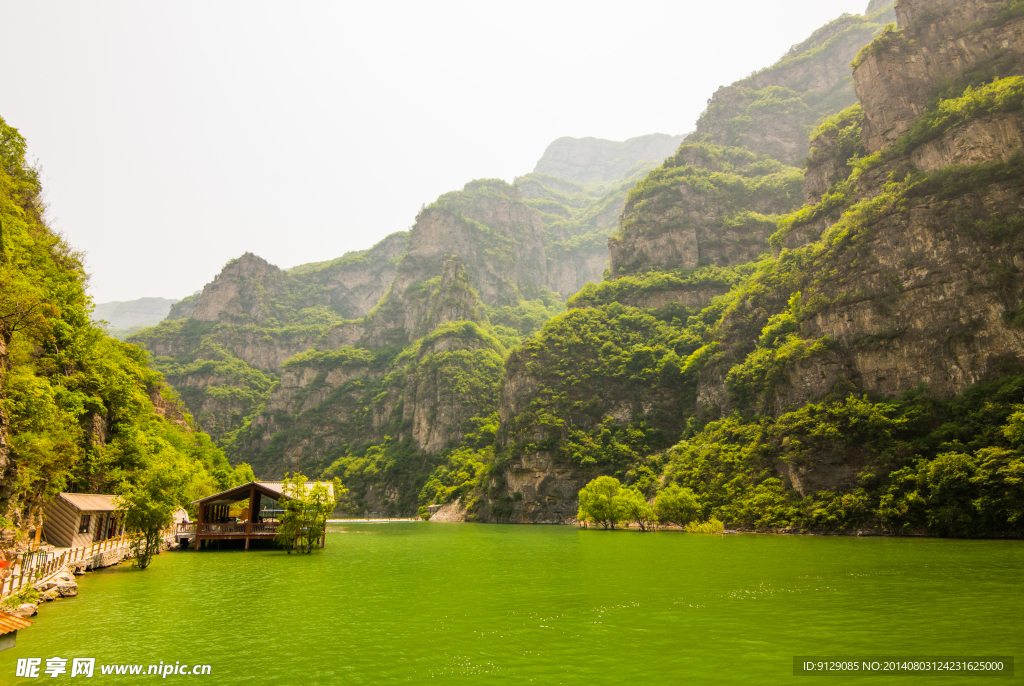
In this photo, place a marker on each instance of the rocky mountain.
(807, 357)
(502, 257)
(810, 314)
(717, 201)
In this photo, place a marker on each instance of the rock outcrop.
(904, 269)
(770, 111)
(713, 202)
(450, 512)
(237, 291)
(938, 44)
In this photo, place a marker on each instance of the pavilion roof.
(274, 489)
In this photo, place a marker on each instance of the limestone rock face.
(594, 159)
(543, 491)
(222, 296)
(939, 291)
(941, 40)
(686, 226)
(354, 283)
(170, 411)
(769, 112)
(996, 137)
(451, 512)
(569, 271)
(515, 234)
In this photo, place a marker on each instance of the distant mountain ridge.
(585, 160)
(498, 256)
(129, 316)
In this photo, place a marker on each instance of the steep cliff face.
(482, 246)
(904, 270)
(494, 254)
(715, 201)
(940, 45)
(919, 280)
(473, 256)
(242, 290)
(359, 413)
(577, 220)
(354, 283)
(769, 112)
(223, 348)
(707, 205)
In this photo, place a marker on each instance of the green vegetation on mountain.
(794, 334)
(77, 407)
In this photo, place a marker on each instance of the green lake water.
(402, 603)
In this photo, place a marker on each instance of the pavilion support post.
(199, 522)
(248, 520)
(254, 506)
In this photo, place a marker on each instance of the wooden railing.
(228, 529)
(29, 570)
(224, 529)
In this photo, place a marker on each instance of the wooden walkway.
(29, 569)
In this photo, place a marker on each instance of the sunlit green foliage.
(676, 505)
(591, 362)
(952, 468)
(461, 475)
(1003, 95)
(307, 505)
(734, 179)
(886, 40)
(634, 286)
(600, 504)
(712, 526)
(635, 508)
(76, 407)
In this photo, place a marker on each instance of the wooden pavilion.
(258, 522)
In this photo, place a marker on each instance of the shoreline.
(375, 521)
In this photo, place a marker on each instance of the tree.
(148, 507)
(634, 507)
(598, 504)
(306, 508)
(676, 505)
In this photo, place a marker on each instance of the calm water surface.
(403, 603)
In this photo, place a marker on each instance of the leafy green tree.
(676, 505)
(306, 509)
(635, 508)
(951, 491)
(148, 508)
(598, 503)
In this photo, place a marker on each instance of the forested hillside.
(79, 411)
(808, 312)
(851, 361)
(397, 351)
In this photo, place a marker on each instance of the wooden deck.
(227, 532)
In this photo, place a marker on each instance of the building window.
(83, 526)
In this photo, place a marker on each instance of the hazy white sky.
(175, 136)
